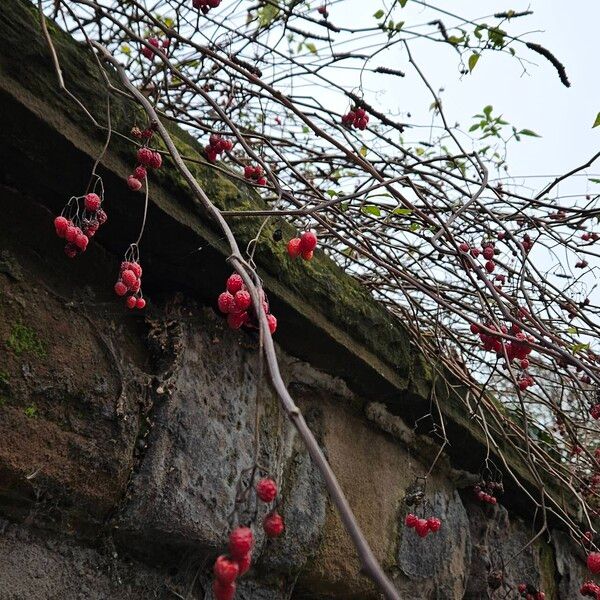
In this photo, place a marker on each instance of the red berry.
(273, 525)
(248, 172)
(135, 185)
(241, 541)
(128, 278)
(155, 161)
(226, 570)
(308, 255)
(211, 154)
(422, 528)
(490, 266)
(361, 123)
(524, 364)
(308, 241)
(593, 562)
(140, 173)
(136, 286)
(136, 268)
(226, 303)
(266, 490)
(488, 252)
(411, 520)
(522, 587)
(140, 303)
(474, 328)
(71, 232)
(227, 145)
(222, 591)
(101, 217)
(60, 225)
(81, 241)
(145, 156)
(243, 301)
(236, 320)
(261, 181)
(540, 596)
(92, 202)
(463, 247)
(434, 524)
(272, 321)
(234, 284)
(131, 302)
(120, 288)
(293, 247)
(244, 563)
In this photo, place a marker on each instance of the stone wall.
(122, 434)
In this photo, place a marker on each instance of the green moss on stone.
(24, 340)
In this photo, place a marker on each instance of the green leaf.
(529, 133)
(597, 121)
(474, 127)
(473, 61)
(414, 227)
(487, 111)
(363, 151)
(379, 14)
(311, 47)
(331, 193)
(403, 3)
(593, 180)
(371, 209)
(572, 330)
(579, 347)
(267, 14)
(402, 211)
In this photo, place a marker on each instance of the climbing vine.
(494, 281)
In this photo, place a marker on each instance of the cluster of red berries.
(515, 350)
(595, 411)
(590, 237)
(147, 159)
(529, 592)
(256, 174)
(130, 282)
(228, 568)
(590, 589)
(216, 146)
(83, 225)
(488, 251)
(241, 542)
(486, 491)
(205, 5)
(527, 243)
(422, 526)
(155, 43)
(303, 246)
(357, 118)
(273, 525)
(236, 303)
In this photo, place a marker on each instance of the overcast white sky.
(536, 100)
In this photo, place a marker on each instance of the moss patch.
(24, 340)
